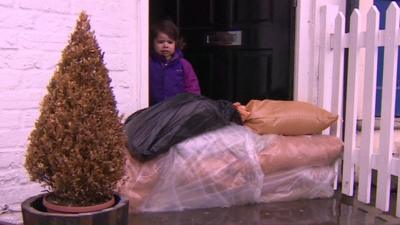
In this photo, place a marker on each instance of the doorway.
(240, 50)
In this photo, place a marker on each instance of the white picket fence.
(334, 41)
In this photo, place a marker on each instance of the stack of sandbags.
(216, 169)
(231, 166)
(294, 129)
(294, 146)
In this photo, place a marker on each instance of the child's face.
(164, 45)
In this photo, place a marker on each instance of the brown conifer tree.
(76, 148)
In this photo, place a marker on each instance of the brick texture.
(33, 34)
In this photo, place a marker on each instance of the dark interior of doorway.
(240, 50)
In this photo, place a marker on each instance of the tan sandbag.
(287, 117)
(244, 113)
(139, 180)
(289, 152)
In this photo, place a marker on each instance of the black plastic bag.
(154, 130)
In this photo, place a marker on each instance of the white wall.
(32, 36)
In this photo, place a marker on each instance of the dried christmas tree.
(76, 148)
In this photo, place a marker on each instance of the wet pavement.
(339, 210)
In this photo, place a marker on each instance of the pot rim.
(52, 207)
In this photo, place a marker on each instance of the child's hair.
(169, 28)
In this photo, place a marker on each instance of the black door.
(240, 49)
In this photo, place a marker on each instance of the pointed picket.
(337, 84)
(388, 98)
(337, 77)
(351, 104)
(328, 14)
(367, 135)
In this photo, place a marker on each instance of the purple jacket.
(168, 79)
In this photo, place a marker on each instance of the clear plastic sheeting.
(220, 168)
(299, 183)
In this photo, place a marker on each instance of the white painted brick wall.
(32, 36)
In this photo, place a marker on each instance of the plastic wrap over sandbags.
(220, 168)
(299, 183)
(215, 169)
(152, 131)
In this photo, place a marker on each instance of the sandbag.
(287, 117)
(289, 152)
(152, 131)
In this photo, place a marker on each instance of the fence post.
(367, 132)
(328, 13)
(351, 104)
(387, 116)
(337, 84)
(337, 74)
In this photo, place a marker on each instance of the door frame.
(142, 54)
(307, 42)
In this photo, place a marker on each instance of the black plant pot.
(34, 213)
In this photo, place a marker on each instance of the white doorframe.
(306, 59)
(143, 53)
(303, 52)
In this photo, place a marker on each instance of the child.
(170, 73)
